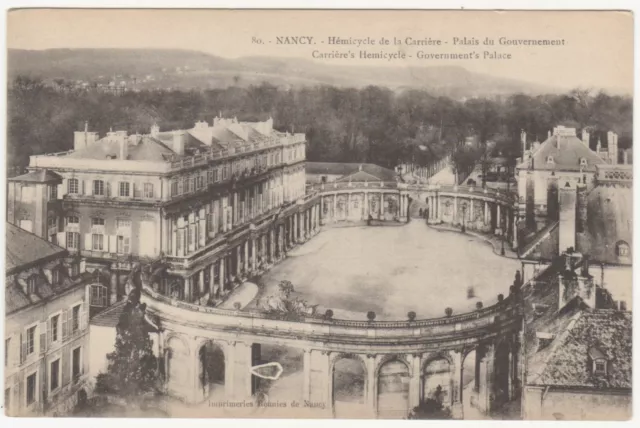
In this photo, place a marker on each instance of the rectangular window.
(72, 219)
(96, 221)
(31, 389)
(174, 188)
(123, 224)
(148, 190)
(55, 276)
(53, 192)
(210, 176)
(97, 241)
(124, 189)
(32, 283)
(73, 240)
(123, 244)
(55, 321)
(55, 375)
(31, 340)
(75, 318)
(192, 184)
(215, 175)
(72, 186)
(51, 222)
(75, 366)
(98, 187)
(99, 295)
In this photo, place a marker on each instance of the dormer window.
(600, 367)
(550, 160)
(583, 162)
(622, 249)
(32, 283)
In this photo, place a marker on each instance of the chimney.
(178, 142)
(598, 146)
(124, 148)
(585, 137)
(625, 157)
(79, 140)
(523, 138)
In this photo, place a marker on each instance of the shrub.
(371, 315)
(479, 305)
(448, 312)
(500, 297)
(411, 315)
(328, 314)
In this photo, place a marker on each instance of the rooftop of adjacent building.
(566, 151)
(43, 176)
(351, 171)
(562, 343)
(24, 249)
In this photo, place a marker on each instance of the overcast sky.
(597, 52)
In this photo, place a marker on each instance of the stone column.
(238, 258)
(456, 385)
(221, 275)
(471, 209)
(366, 205)
(486, 383)
(306, 377)
(414, 381)
(201, 284)
(272, 244)
(348, 204)
(498, 216)
(370, 396)
(321, 204)
(295, 235)
(439, 207)
(455, 209)
(335, 207)
(320, 379)
(246, 256)
(253, 254)
(486, 212)
(514, 235)
(212, 279)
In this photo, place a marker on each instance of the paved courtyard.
(393, 270)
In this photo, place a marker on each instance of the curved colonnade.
(208, 352)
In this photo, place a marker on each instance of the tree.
(132, 367)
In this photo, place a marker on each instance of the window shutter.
(83, 316)
(23, 348)
(85, 187)
(43, 337)
(65, 324)
(48, 332)
(61, 239)
(107, 188)
(113, 247)
(87, 241)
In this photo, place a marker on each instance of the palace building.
(210, 204)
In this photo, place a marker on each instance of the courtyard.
(393, 270)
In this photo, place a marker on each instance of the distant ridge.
(185, 69)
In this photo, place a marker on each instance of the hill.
(184, 69)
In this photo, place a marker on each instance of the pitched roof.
(24, 249)
(344, 168)
(569, 363)
(38, 176)
(567, 150)
(359, 176)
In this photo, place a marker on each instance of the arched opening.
(211, 370)
(469, 383)
(393, 390)
(349, 376)
(288, 385)
(437, 382)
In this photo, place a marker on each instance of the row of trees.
(372, 124)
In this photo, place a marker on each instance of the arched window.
(623, 249)
(550, 159)
(583, 162)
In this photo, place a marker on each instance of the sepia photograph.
(319, 214)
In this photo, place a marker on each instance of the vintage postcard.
(319, 214)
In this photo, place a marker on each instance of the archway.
(348, 391)
(502, 373)
(211, 370)
(393, 390)
(469, 386)
(437, 382)
(288, 386)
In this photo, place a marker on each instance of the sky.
(597, 50)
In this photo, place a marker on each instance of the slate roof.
(25, 249)
(145, 148)
(344, 168)
(576, 330)
(569, 363)
(38, 176)
(359, 176)
(567, 152)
